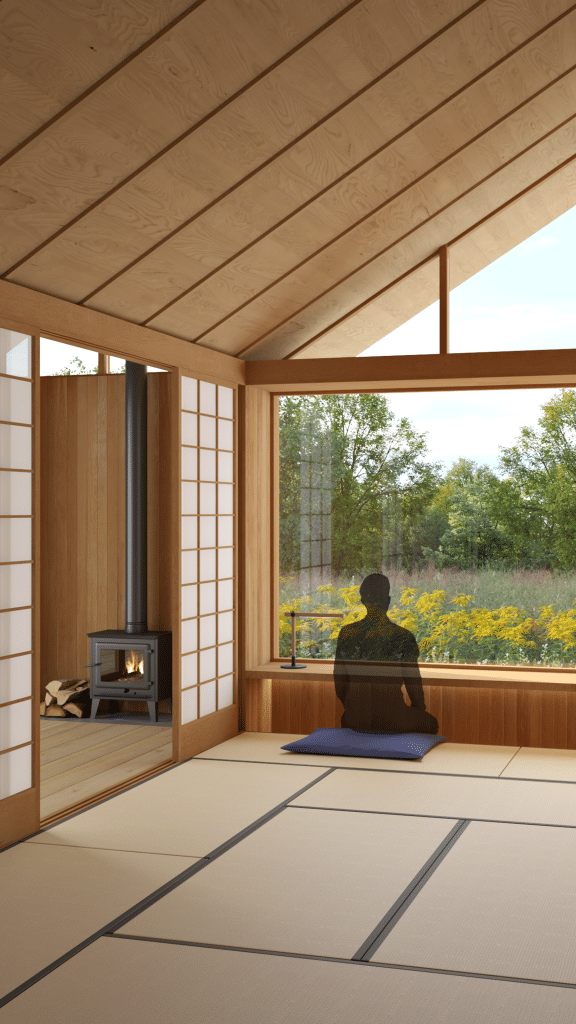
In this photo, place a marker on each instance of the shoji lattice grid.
(208, 513)
(15, 563)
(315, 507)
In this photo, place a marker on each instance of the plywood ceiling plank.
(147, 87)
(366, 240)
(129, 209)
(51, 52)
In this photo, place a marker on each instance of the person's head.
(375, 590)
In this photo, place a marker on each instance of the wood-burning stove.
(135, 663)
(130, 666)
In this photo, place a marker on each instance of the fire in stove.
(121, 665)
(134, 664)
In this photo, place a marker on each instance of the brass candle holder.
(306, 615)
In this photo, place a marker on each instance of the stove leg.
(152, 710)
(95, 703)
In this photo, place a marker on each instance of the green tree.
(540, 469)
(379, 477)
(76, 368)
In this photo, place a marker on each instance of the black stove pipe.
(136, 498)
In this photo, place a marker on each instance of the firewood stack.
(66, 697)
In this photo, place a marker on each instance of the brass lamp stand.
(306, 615)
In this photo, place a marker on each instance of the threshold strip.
(163, 890)
(349, 963)
(385, 926)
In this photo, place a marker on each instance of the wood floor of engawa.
(250, 885)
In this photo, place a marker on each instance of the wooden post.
(444, 301)
(103, 363)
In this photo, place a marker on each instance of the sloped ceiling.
(261, 177)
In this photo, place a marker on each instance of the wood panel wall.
(83, 516)
(255, 529)
(503, 717)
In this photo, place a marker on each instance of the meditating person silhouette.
(374, 657)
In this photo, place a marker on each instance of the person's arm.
(413, 679)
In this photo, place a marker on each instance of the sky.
(524, 300)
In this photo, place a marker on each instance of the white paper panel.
(189, 428)
(208, 499)
(207, 531)
(225, 659)
(207, 598)
(207, 666)
(189, 673)
(207, 631)
(226, 435)
(225, 691)
(189, 394)
(225, 563)
(189, 699)
(225, 499)
(188, 635)
(15, 540)
(225, 467)
(15, 353)
(15, 771)
(207, 432)
(189, 532)
(208, 698)
(189, 463)
(225, 401)
(207, 398)
(207, 464)
(225, 595)
(225, 627)
(15, 400)
(225, 531)
(15, 724)
(15, 447)
(15, 493)
(15, 632)
(189, 601)
(15, 678)
(189, 567)
(189, 498)
(15, 585)
(207, 565)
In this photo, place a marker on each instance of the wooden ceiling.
(262, 177)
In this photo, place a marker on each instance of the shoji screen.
(15, 563)
(208, 532)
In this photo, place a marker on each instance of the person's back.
(374, 658)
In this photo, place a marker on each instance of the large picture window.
(465, 500)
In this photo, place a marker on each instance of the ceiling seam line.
(376, 209)
(373, 213)
(101, 81)
(431, 217)
(189, 131)
(318, 124)
(453, 241)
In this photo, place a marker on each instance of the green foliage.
(77, 368)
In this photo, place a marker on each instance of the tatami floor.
(253, 886)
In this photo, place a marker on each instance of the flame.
(135, 663)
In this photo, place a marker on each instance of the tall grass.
(493, 616)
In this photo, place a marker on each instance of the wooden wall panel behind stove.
(82, 424)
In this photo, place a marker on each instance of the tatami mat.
(503, 901)
(449, 758)
(305, 882)
(187, 811)
(129, 982)
(493, 799)
(52, 898)
(543, 763)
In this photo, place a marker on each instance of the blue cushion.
(348, 743)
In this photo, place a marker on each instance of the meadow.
(487, 616)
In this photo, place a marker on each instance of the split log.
(80, 710)
(55, 686)
(43, 708)
(82, 693)
(55, 712)
(49, 699)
